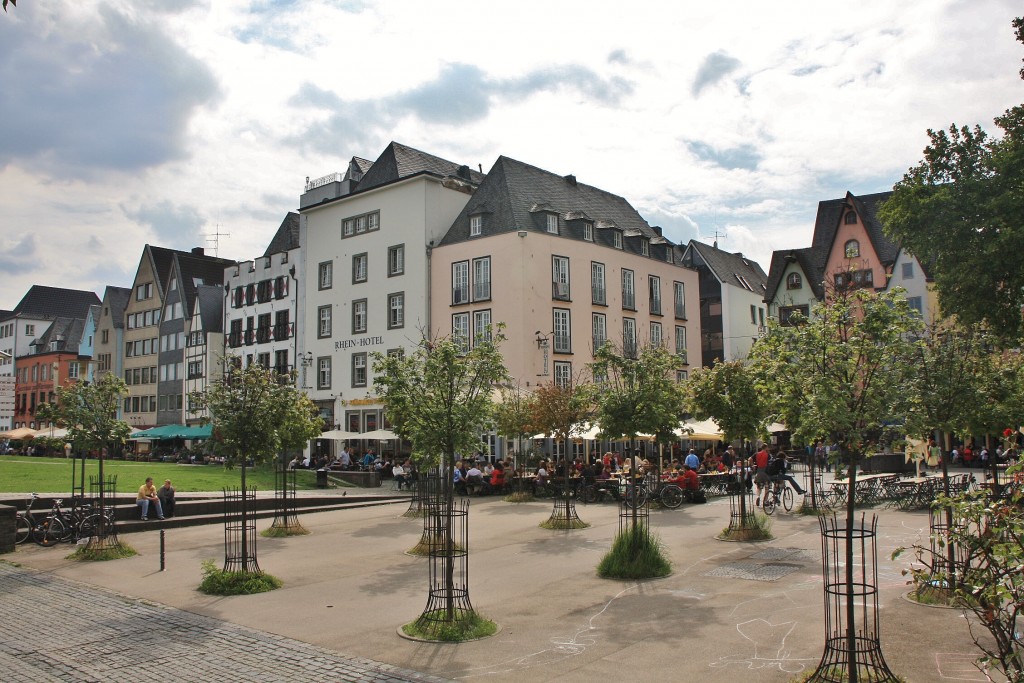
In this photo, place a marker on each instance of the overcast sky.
(151, 121)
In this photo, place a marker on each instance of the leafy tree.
(440, 399)
(513, 416)
(959, 211)
(563, 411)
(89, 412)
(256, 413)
(853, 362)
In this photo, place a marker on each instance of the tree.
(513, 418)
(440, 399)
(563, 411)
(256, 413)
(852, 362)
(959, 212)
(89, 412)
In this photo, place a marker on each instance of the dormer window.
(852, 249)
(645, 248)
(552, 223)
(668, 253)
(617, 239)
(476, 224)
(794, 281)
(588, 232)
(850, 218)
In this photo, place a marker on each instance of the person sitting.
(542, 476)
(777, 472)
(474, 479)
(458, 483)
(688, 480)
(147, 496)
(166, 495)
(398, 472)
(497, 478)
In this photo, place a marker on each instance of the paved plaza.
(729, 611)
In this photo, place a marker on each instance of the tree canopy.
(440, 397)
(729, 393)
(89, 412)
(638, 394)
(959, 212)
(563, 410)
(256, 415)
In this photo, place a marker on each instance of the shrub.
(636, 554)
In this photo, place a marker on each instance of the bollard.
(163, 535)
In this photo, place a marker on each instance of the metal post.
(163, 534)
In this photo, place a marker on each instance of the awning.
(703, 430)
(378, 435)
(19, 433)
(175, 432)
(340, 435)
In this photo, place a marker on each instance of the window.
(599, 330)
(628, 292)
(560, 278)
(281, 362)
(323, 372)
(617, 239)
(359, 316)
(681, 342)
(282, 326)
(482, 325)
(908, 271)
(396, 260)
(598, 292)
(105, 337)
(324, 325)
(552, 223)
(326, 274)
(173, 285)
(195, 369)
(645, 248)
(654, 291)
(679, 294)
(460, 282)
(563, 373)
(668, 253)
(476, 224)
(852, 248)
(482, 279)
(460, 329)
(281, 286)
(588, 232)
(347, 228)
(760, 316)
(563, 340)
(794, 281)
(682, 375)
(144, 291)
(915, 304)
(629, 337)
(788, 314)
(359, 369)
(850, 218)
(30, 330)
(753, 314)
(357, 225)
(656, 339)
(359, 267)
(396, 310)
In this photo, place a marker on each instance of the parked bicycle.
(81, 521)
(46, 531)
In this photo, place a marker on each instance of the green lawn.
(21, 474)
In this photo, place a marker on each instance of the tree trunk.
(245, 534)
(447, 489)
(851, 633)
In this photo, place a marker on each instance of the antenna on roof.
(217, 234)
(717, 235)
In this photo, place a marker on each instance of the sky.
(130, 122)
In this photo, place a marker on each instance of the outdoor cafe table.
(868, 488)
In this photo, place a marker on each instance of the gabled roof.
(208, 270)
(5, 314)
(117, 299)
(732, 268)
(398, 161)
(162, 260)
(830, 213)
(67, 332)
(517, 196)
(49, 303)
(210, 303)
(287, 236)
(811, 267)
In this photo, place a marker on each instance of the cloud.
(461, 93)
(619, 57)
(106, 92)
(22, 257)
(745, 156)
(175, 226)
(714, 68)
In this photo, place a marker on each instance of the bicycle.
(80, 521)
(46, 531)
(777, 493)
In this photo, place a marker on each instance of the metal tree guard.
(427, 485)
(949, 559)
(741, 507)
(285, 510)
(852, 649)
(104, 528)
(240, 530)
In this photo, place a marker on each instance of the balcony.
(681, 356)
(262, 335)
(250, 337)
(283, 331)
(680, 310)
(655, 305)
(460, 295)
(560, 291)
(235, 339)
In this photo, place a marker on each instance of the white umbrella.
(705, 430)
(340, 435)
(378, 434)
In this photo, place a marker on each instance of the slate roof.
(812, 267)
(208, 269)
(210, 300)
(117, 300)
(69, 329)
(287, 236)
(727, 266)
(162, 259)
(49, 303)
(399, 161)
(517, 196)
(5, 314)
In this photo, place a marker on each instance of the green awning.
(175, 432)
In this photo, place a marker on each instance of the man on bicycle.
(777, 471)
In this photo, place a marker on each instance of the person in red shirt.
(689, 481)
(497, 477)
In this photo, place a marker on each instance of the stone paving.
(53, 629)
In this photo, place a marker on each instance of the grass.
(427, 544)
(518, 497)
(119, 550)
(562, 523)
(285, 531)
(216, 581)
(636, 554)
(469, 626)
(759, 530)
(22, 474)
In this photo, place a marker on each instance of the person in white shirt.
(399, 473)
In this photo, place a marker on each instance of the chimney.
(571, 179)
(657, 229)
(198, 251)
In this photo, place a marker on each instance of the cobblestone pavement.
(52, 629)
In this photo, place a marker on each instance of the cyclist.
(777, 472)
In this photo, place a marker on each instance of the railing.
(560, 290)
(656, 306)
(460, 295)
(283, 331)
(562, 343)
(235, 340)
(262, 335)
(680, 310)
(325, 180)
(598, 295)
(628, 300)
(250, 337)
(482, 290)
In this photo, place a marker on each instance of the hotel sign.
(357, 343)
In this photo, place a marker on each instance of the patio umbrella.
(340, 435)
(379, 435)
(19, 433)
(705, 430)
